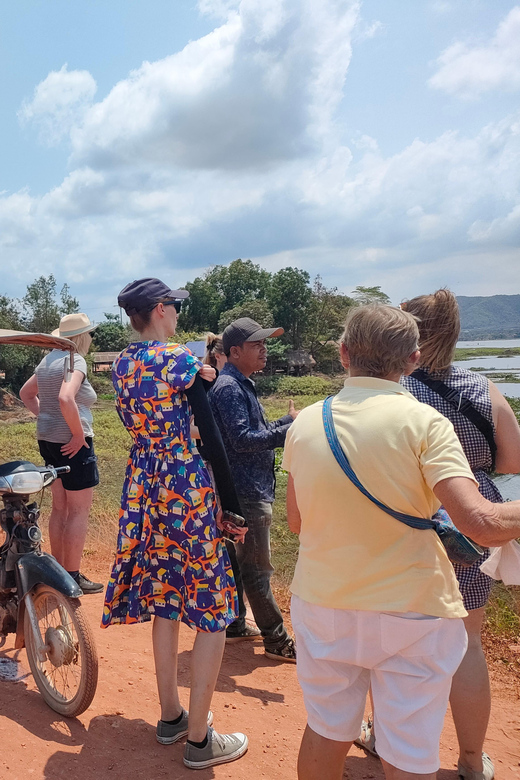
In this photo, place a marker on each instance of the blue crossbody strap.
(337, 451)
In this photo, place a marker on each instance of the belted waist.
(158, 442)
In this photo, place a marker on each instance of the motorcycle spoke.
(64, 678)
(67, 675)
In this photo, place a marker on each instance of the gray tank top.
(51, 425)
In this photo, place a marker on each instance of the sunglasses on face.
(177, 304)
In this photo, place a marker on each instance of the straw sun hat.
(73, 325)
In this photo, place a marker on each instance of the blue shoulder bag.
(459, 548)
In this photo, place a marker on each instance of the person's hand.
(73, 446)
(240, 535)
(208, 373)
(292, 411)
(218, 518)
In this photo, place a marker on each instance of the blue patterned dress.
(170, 560)
(474, 585)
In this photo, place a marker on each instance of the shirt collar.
(233, 371)
(372, 383)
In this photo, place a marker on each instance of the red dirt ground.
(115, 738)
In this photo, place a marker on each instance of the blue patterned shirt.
(250, 440)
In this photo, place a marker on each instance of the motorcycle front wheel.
(67, 676)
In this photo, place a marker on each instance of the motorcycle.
(39, 600)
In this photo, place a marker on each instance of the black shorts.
(83, 465)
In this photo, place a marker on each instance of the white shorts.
(407, 659)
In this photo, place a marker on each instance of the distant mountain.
(489, 317)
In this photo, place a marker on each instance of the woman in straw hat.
(65, 438)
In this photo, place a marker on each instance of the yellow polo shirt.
(352, 554)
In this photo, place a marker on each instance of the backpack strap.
(462, 405)
(339, 454)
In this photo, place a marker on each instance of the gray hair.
(380, 339)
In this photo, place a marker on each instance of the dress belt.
(159, 442)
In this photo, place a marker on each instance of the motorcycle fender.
(19, 641)
(43, 569)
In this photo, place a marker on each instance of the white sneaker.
(220, 749)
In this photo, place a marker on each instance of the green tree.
(258, 310)
(326, 318)
(202, 309)
(17, 363)
(289, 296)
(241, 280)
(111, 335)
(69, 304)
(364, 295)
(40, 310)
(9, 314)
(220, 289)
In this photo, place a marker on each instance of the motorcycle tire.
(67, 678)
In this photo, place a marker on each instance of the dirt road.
(115, 738)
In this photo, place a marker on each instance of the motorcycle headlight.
(26, 482)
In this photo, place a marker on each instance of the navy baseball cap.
(246, 329)
(144, 294)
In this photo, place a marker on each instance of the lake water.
(512, 389)
(500, 344)
(509, 486)
(498, 363)
(509, 365)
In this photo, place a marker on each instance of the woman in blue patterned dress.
(439, 327)
(171, 561)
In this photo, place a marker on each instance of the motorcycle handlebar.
(62, 470)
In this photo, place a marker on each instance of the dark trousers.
(252, 560)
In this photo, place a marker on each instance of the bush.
(267, 385)
(304, 385)
(289, 386)
(102, 383)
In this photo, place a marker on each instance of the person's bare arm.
(507, 433)
(486, 523)
(29, 395)
(294, 520)
(70, 412)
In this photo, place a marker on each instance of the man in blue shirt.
(250, 441)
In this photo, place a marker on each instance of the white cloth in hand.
(504, 563)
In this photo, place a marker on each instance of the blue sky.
(373, 142)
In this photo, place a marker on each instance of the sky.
(373, 142)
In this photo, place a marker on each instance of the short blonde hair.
(380, 339)
(82, 342)
(439, 327)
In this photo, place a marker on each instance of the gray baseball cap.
(246, 329)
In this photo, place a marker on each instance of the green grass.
(503, 612)
(284, 543)
(112, 445)
(466, 353)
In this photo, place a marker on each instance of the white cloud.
(219, 9)
(258, 90)
(230, 148)
(468, 70)
(441, 6)
(367, 31)
(59, 103)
